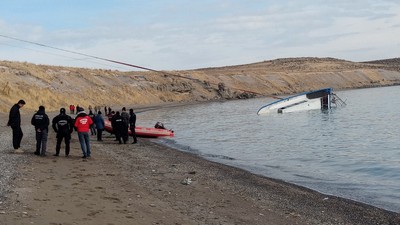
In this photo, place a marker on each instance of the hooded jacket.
(40, 120)
(63, 124)
(83, 122)
(99, 121)
(117, 122)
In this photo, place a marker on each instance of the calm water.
(352, 152)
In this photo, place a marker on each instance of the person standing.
(63, 125)
(93, 127)
(110, 115)
(132, 125)
(14, 121)
(82, 124)
(71, 109)
(125, 119)
(117, 124)
(99, 123)
(40, 121)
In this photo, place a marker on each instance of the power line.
(114, 61)
(64, 56)
(78, 53)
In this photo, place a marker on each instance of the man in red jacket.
(82, 124)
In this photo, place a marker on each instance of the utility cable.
(118, 62)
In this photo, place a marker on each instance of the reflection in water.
(351, 152)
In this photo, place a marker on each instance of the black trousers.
(67, 140)
(41, 142)
(124, 134)
(99, 134)
(133, 134)
(118, 135)
(17, 137)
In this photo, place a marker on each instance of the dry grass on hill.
(55, 86)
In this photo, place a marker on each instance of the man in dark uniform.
(117, 123)
(132, 125)
(63, 125)
(14, 122)
(41, 122)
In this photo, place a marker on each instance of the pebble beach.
(147, 183)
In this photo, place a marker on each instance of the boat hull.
(305, 101)
(148, 132)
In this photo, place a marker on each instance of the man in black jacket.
(63, 125)
(41, 122)
(14, 121)
(132, 125)
(117, 123)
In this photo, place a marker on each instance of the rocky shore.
(147, 183)
(151, 184)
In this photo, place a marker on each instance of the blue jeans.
(41, 142)
(84, 140)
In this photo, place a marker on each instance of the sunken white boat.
(318, 99)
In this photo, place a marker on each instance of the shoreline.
(142, 184)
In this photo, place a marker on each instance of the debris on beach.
(186, 181)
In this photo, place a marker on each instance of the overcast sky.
(189, 34)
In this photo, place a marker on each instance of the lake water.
(352, 152)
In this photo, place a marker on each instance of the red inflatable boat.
(143, 131)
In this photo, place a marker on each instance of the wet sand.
(143, 184)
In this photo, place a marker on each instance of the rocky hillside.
(54, 86)
(393, 64)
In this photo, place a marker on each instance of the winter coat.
(99, 122)
(132, 121)
(40, 120)
(83, 122)
(117, 123)
(63, 125)
(125, 117)
(14, 119)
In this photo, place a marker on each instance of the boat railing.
(338, 101)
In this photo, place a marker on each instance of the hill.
(57, 87)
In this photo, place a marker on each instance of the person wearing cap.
(14, 121)
(82, 124)
(63, 125)
(40, 121)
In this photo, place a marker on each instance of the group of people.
(64, 125)
(121, 124)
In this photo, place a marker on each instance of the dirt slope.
(54, 86)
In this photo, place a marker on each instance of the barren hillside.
(61, 86)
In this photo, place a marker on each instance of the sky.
(191, 34)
